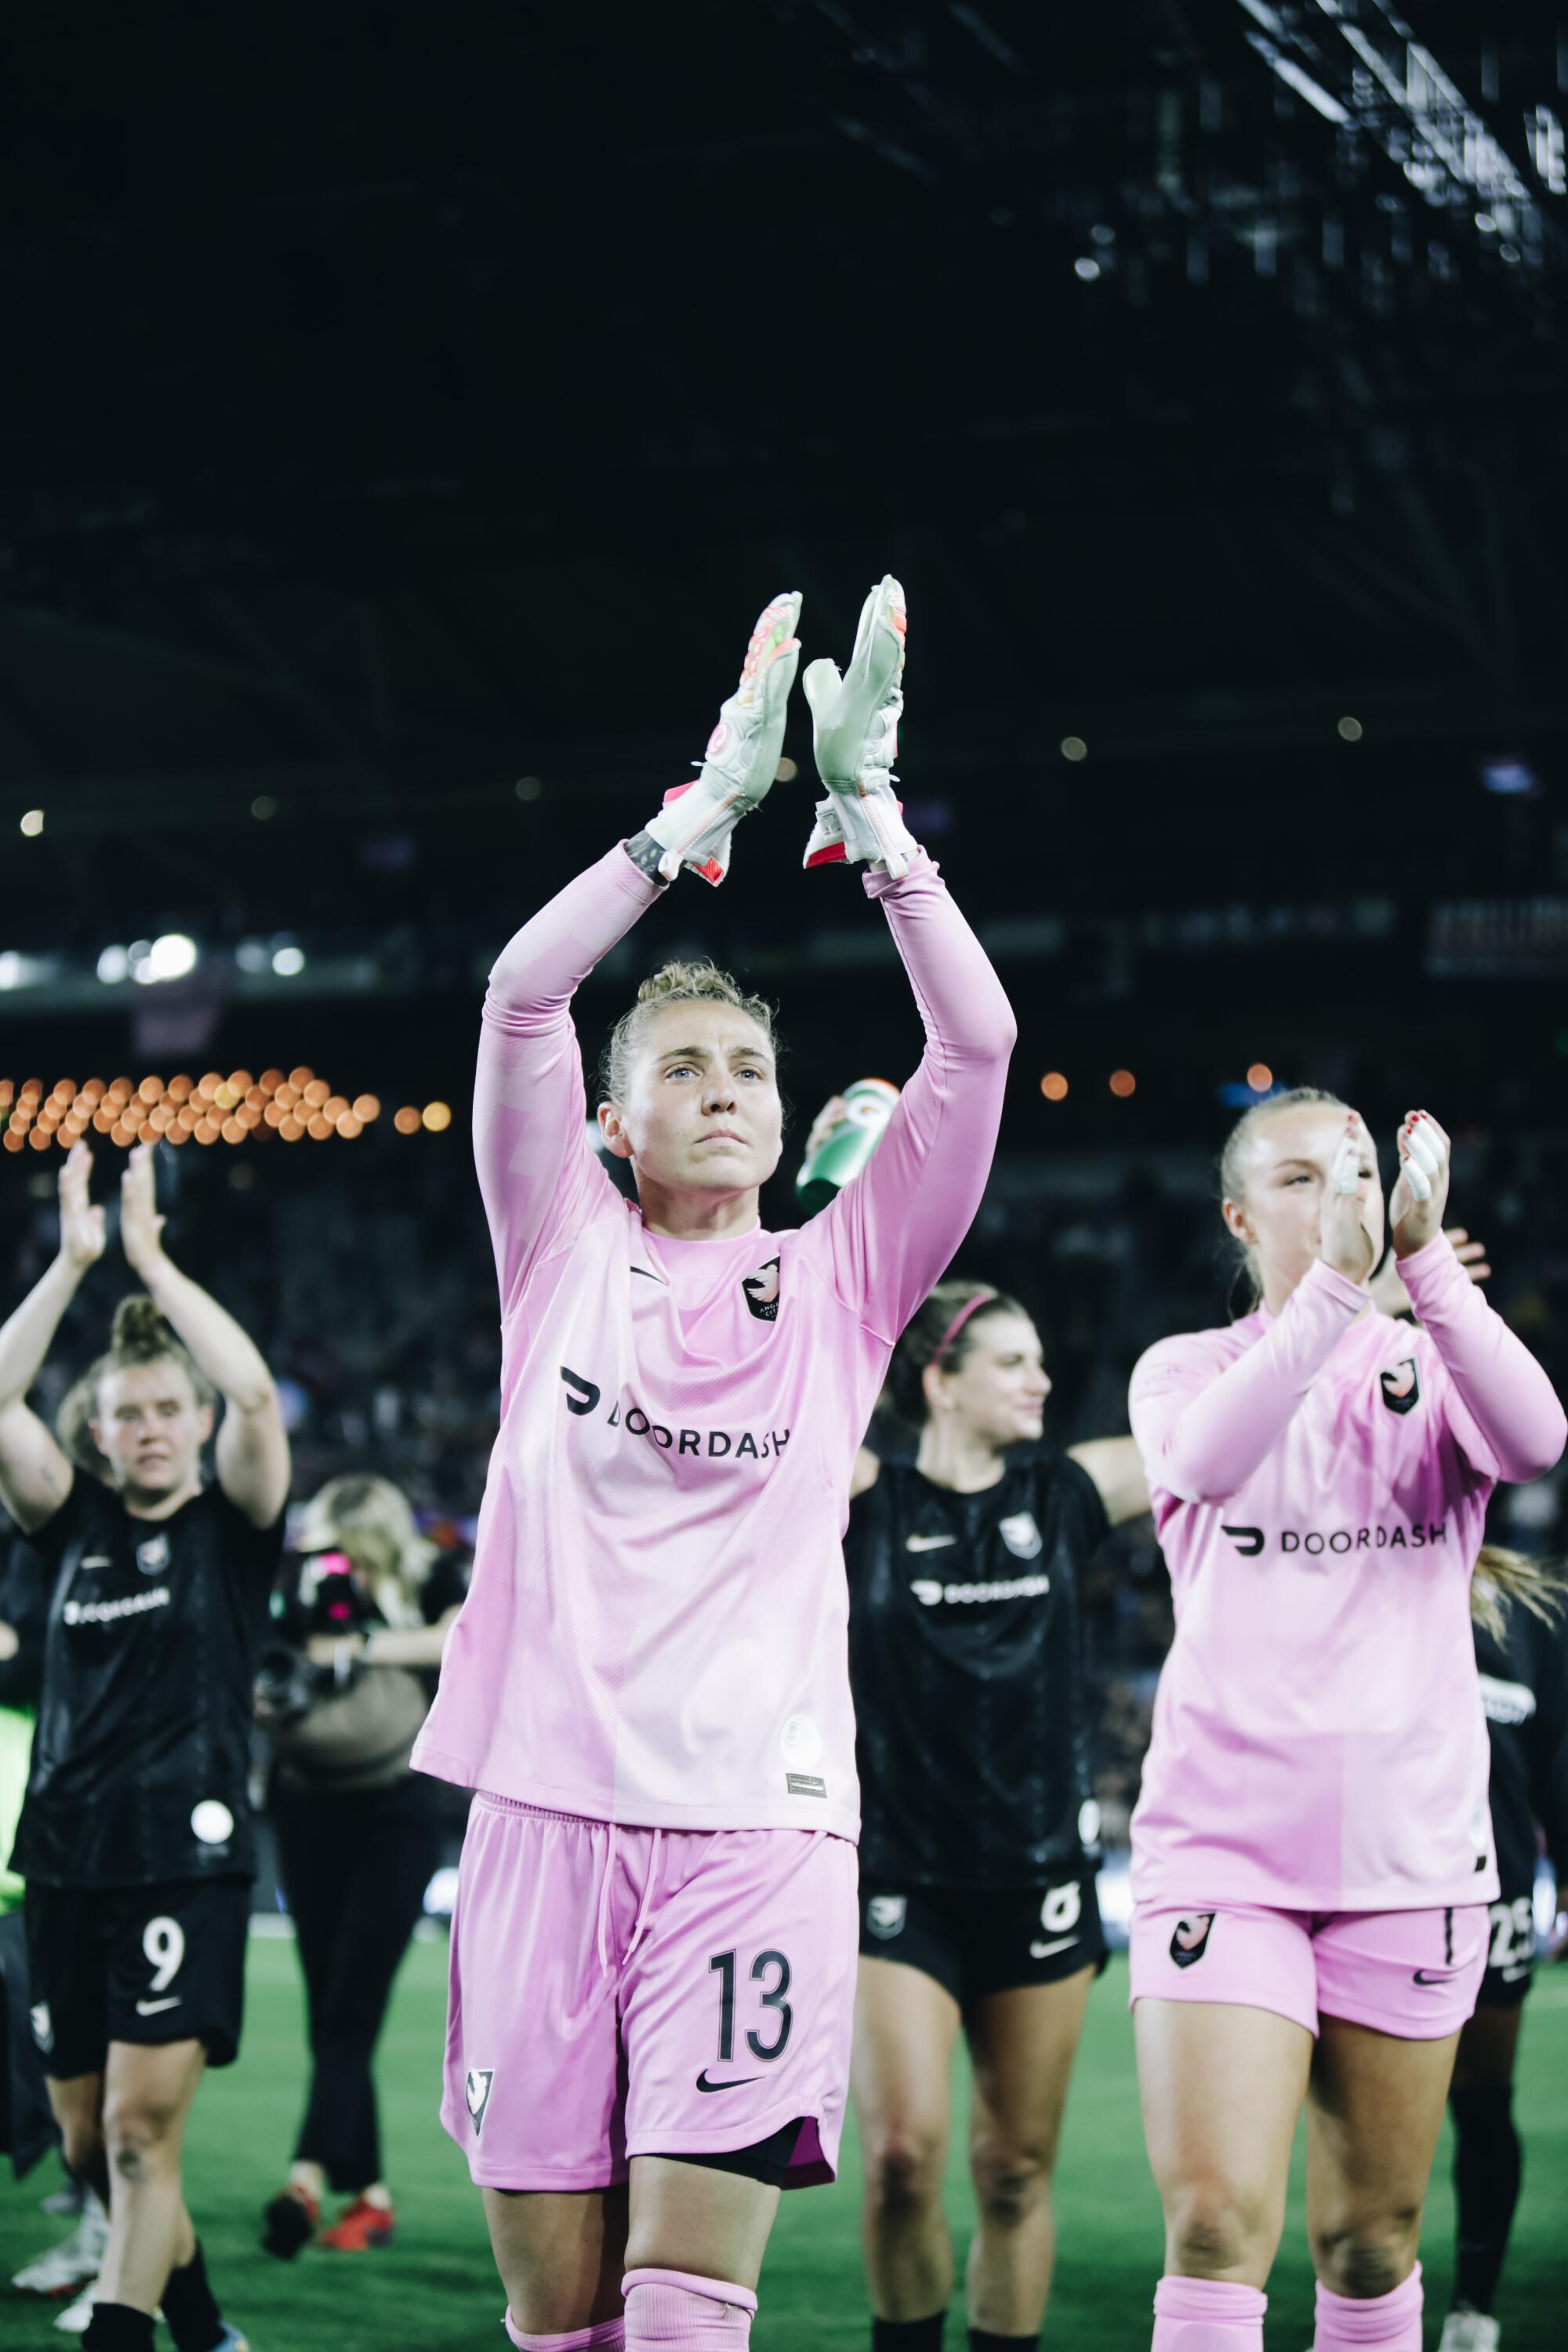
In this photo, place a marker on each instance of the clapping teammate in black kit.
(135, 1839)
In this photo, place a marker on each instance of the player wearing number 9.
(135, 1839)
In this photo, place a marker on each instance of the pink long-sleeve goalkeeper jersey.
(656, 1630)
(1319, 1484)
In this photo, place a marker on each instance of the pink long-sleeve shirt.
(656, 1630)
(1320, 1482)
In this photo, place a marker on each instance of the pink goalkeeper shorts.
(618, 1992)
(1413, 1974)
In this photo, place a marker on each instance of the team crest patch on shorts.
(886, 1913)
(477, 2091)
(43, 2027)
(1190, 1937)
(1401, 1385)
(1021, 1536)
(761, 1290)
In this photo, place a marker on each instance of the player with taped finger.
(653, 1948)
(1312, 1852)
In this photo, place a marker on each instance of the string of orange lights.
(206, 1110)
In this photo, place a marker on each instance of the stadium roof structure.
(405, 405)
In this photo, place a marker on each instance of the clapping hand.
(81, 1224)
(1346, 1245)
(1421, 1195)
(141, 1227)
(1389, 1294)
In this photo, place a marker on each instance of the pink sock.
(1392, 2322)
(609, 2336)
(1208, 2315)
(676, 2310)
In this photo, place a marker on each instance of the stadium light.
(173, 955)
(114, 966)
(287, 963)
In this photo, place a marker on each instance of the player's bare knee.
(903, 2167)
(1365, 2258)
(143, 2135)
(1011, 2183)
(1213, 2228)
(81, 2144)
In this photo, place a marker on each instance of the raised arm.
(1503, 1391)
(537, 1169)
(35, 1477)
(1202, 1433)
(252, 1443)
(892, 1232)
(1510, 1421)
(1116, 1467)
(536, 1164)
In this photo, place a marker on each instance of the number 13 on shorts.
(768, 2045)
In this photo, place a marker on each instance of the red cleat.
(291, 2220)
(364, 2225)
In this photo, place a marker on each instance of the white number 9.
(164, 1941)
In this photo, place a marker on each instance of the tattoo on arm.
(645, 854)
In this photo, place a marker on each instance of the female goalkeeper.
(653, 1955)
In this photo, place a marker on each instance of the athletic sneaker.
(364, 2225)
(290, 2218)
(67, 2200)
(1470, 2331)
(67, 2268)
(74, 2319)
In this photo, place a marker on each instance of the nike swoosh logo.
(704, 2084)
(927, 1543)
(1044, 1952)
(150, 2007)
(648, 1276)
(96, 1559)
(1435, 1976)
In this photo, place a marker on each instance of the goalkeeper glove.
(855, 726)
(694, 825)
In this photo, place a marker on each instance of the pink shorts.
(618, 1992)
(1413, 1974)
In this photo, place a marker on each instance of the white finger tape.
(1416, 1179)
(1346, 1170)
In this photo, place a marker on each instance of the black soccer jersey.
(142, 1745)
(1524, 1689)
(966, 1659)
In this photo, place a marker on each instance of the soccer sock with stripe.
(1208, 2315)
(1488, 2167)
(678, 2311)
(1390, 2322)
(195, 2323)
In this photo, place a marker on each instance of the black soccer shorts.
(1511, 1950)
(979, 1940)
(139, 1964)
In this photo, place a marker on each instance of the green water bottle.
(848, 1143)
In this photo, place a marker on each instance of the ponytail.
(1502, 1577)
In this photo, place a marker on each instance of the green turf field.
(434, 2290)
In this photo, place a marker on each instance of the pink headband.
(980, 1298)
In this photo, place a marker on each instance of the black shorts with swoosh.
(977, 1941)
(139, 1964)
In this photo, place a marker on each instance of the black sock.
(115, 2327)
(981, 2340)
(191, 2308)
(1488, 2163)
(908, 2335)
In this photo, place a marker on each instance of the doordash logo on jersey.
(1251, 1541)
(583, 1397)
